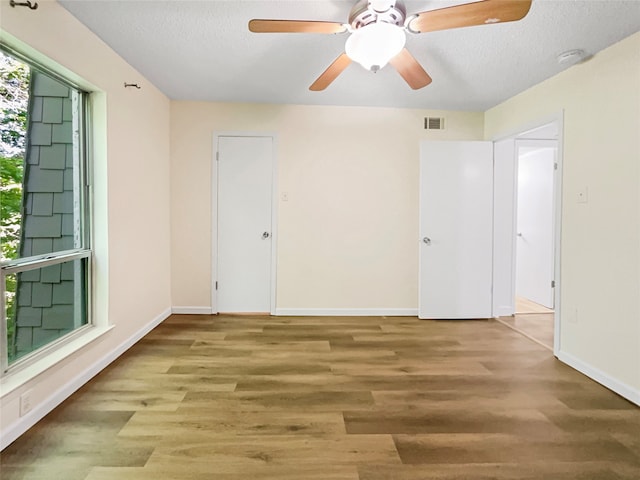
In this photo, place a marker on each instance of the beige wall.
(600, 239)
(349, 230)
(131, 183)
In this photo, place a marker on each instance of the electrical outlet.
(26, 402)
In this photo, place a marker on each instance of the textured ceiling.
(202, 50)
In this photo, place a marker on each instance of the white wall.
(131, 193)
(348, 234)
(600, 267)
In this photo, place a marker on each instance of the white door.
(535, 237)
(504, 225)
(456, 201)
(244, 230)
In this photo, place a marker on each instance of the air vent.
(434, 123)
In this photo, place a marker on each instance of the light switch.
(285, 197)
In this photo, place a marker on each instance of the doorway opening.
(536, 223)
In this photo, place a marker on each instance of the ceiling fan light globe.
(373, 45)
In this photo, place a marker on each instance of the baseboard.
(191, 310)
(621, 388)
(13, 431)
(347, 312)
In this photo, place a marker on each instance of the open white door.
(535, 227)
(244, 224)
(456, 224)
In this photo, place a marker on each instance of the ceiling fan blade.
(295, 26)
(470, 14)
(331, 73)
(409, 69)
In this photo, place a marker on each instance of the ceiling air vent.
(433, 123)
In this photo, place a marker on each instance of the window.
(44, 235)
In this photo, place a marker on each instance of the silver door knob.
(427, 240)
(265, 235)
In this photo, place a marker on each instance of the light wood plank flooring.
(534, 320)
(230, 398)
(538, 326)
(524, 305)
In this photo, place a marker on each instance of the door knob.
(427, 240)
(265, 235)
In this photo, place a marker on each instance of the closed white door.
(535, 237)
(456, 223)
(244, 230)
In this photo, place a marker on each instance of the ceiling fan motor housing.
(366, 12)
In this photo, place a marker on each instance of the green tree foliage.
(14, 95)
(11, 172)
(14, 92)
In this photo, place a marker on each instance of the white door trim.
(214, 213)
(558, 118)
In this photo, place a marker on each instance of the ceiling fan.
(378, 30)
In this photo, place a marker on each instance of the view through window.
(43, 210)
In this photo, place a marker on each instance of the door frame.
(214, 213)
(558, 118)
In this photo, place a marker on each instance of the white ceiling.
(202, 50)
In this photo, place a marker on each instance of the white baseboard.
(191, 310)
(17, 428)
(347, 312)
(621, 388)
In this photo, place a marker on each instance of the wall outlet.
(26, 402)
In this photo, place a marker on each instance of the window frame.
(82, 189)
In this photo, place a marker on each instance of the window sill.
(14, 380)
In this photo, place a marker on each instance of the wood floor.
(533, 320)
(538, 326)
(524, 305)
(231, 398)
